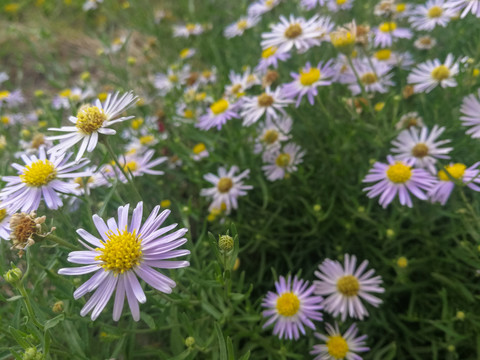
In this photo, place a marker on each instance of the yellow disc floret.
(199, 148)
(121, 252)
(146, 139)
(224, 184)
(369, 78)
(440, 73)
(383, 54)
(288, 304)
(283, 160)
(337, 347)
(270, 136)
(456, 171)
(39, 173)
(293, 31)
(90, 119)
(131, 166)
(242, 24)
(265, 100)
(420, 150)
(219, 106)
(348, 285)
(270, 51)
(3, 214)
(309, 77)
(399, 173)
(435, 12)
(387, 27)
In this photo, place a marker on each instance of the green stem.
(61, 242)
(28, 306)
(115, 159)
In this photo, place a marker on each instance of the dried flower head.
(26, 230)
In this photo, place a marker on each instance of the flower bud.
(13, 276)
(225, 243)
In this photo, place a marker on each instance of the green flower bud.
(13, 276)
(225, 243)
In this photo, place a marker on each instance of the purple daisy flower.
(40, 178)
(270, 57)
(346, 285)
(441, 191)
(121, 254)
(470, 110)
(307, 81)
(219, 113)
(292, 307)
(398, 177)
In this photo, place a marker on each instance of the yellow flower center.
(200, 147)
(121, 252)
(265, 100)
(369, 78)
(402, 262)
(456, 171)
(4, 94)
(39, 173)
(401, 7)
(270, 136)
(341, 39)
(387, 26)
(293, 31)
(65, 93)
(435, 12)
(399, 173)
(90, 119)
(5, 120)
(341, 2)
(309, 77)
(270, 51)
(236, 88)
(147, 139)
(188, 114)
(383, 54)
(224, 184)
(173, 78)
(184, 53)
(131, 166)
(219, 106)
(288, 304)
(190, 27)
(136, 123)
(348, 285)
(420, 150)
(440, 73)
(3, 214)
(283, 160)
(337, 347)
(242, 24)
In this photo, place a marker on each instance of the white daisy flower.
(409, 120)
(199, 152)
(271, 134)
(377, 79)
(340, 346)
(433, 13)
(345, 286)
(310, 4)
(218, 114)
(261, 7)
(3, 77)
(40, 178)
(11, 99)
(65, 97)
(425, 42)
(187, 30)
(465, 6)
(280, 163)
(470, 110)
(392, 58)
(239, 27)
(294, 32)
(430, 74)
(270, 103)
(239, 83)
(90, 121)
(387, 32)
(227, 188)
(337, 5)
(173, 79)
(420, 148)
(91, 4)
(139, 164)
(270, 57)
(186, 53)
